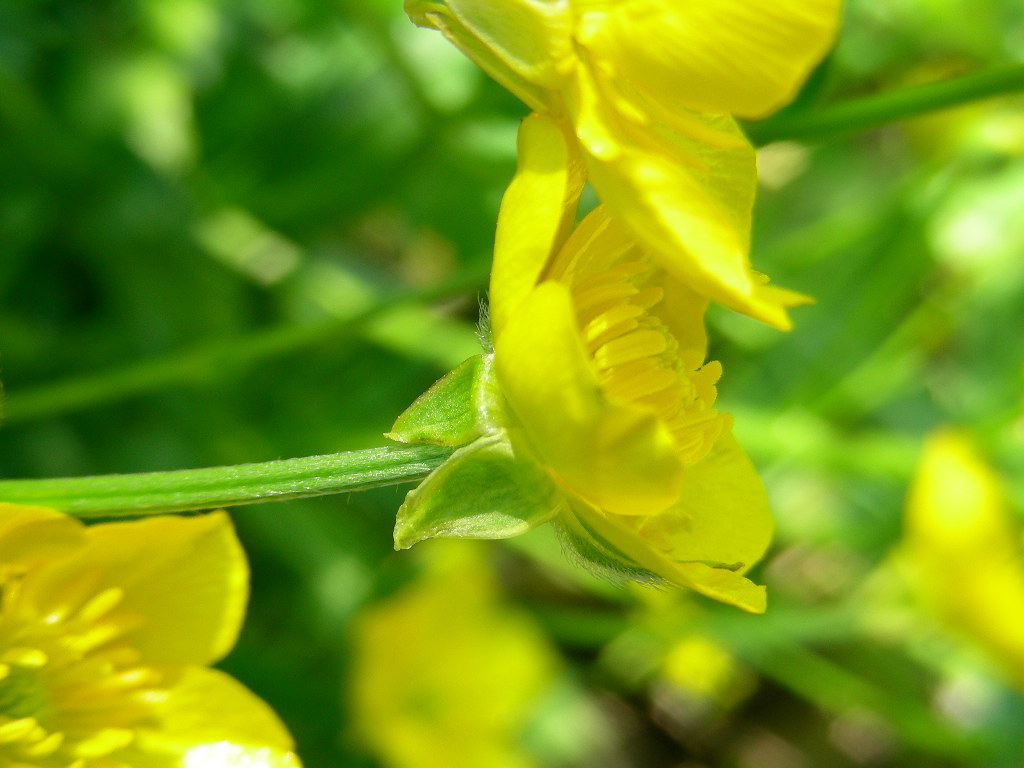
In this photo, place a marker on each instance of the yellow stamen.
(633, 346)
(101, 605)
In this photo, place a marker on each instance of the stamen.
(24, 657)
(16, 730)
(101, 605)
(602, 294)
(632, 346)
(650, 379)
(616, 321)
(104, 742)
(45, 746)
(92, 638)
(636, 356)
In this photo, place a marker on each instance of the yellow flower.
(596, 409)
(105, 632)
(962, 551)
(648, 89)
(444, 674)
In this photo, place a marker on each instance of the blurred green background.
(240, 230)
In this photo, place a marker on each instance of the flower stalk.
(870, 112)
(194, 489)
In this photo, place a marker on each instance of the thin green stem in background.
(211, 359)
(873, 111)
(190, 489)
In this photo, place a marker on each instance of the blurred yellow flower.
(105, 632)
(962, 551)
(705, 669)
(445, 675)
(604, 407)
(647, 89)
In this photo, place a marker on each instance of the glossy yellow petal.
(32, 534)
(183, 583)
(722, 515)
(618, 457)
(735, 56)
(523, 44)
(687, 200)
(209, 720)
(535, 216)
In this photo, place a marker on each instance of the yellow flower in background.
(596, 410)
(962, 550)
(445, 675)
(105, 634)
(648, 89)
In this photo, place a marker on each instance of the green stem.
(873, 111)
(190, 489)
(207, 361)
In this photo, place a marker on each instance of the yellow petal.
(735, 56)
(184, 582)
(682, 311)
(523, 44)
(32, 534)
(619, 457)
(210, 720)
(722, 515)
(536, 213)
(686, 200)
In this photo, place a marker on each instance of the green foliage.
(239, 230)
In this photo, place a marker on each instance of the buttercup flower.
(595, 409)
(648, 89)
(105, 634)
(961, 550)
(445, 675)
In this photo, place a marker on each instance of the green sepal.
(592, 551)
(456, 410)
(484, 491)
(632, 559)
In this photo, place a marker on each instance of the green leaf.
(484, 491)
(456, 410)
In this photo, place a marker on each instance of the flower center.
(637, 357)
(22, 692)
(70, 690)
